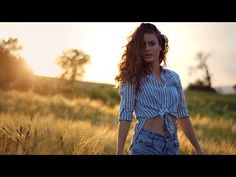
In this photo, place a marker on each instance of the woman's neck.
(155, 69)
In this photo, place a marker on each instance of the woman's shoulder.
(171, 73)
(126, 86)
(173, 76)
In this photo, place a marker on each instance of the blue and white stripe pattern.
(154, 99)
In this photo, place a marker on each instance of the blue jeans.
(150, 143)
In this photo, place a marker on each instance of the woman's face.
(151, 47)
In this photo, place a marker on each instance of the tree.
(203, 66)
(234, 86)
(11, 45)
(205, 83)
(72, 62)
(14, 72)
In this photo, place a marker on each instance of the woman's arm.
(184, 120)
(127, 94)
(187, 128)
(122, 135)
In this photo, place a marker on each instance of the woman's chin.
(149, 60)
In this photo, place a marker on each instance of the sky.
(44, 42)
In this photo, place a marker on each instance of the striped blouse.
(154, 99)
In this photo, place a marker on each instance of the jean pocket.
(174, 148)
(143, 147)
(146, 142)
(176, 143)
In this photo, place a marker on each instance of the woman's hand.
(199, 152)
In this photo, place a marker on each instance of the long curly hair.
(132, 68)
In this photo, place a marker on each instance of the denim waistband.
(155, 135)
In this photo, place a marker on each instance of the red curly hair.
(133, 69)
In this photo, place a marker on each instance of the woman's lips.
(148, 55)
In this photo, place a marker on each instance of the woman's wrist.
(119, 153)
(199, 151)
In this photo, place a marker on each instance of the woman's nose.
(147, 47)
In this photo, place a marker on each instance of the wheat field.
(34, 123)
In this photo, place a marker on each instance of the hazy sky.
(44, 42)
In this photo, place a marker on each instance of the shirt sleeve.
(127, 101)
(182, 109)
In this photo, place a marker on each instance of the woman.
(154, 94)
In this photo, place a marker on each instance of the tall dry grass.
(217, 136)
(32, 123)
(21, 134)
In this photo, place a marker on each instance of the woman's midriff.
(157, 125)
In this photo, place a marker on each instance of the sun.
(41, 65)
